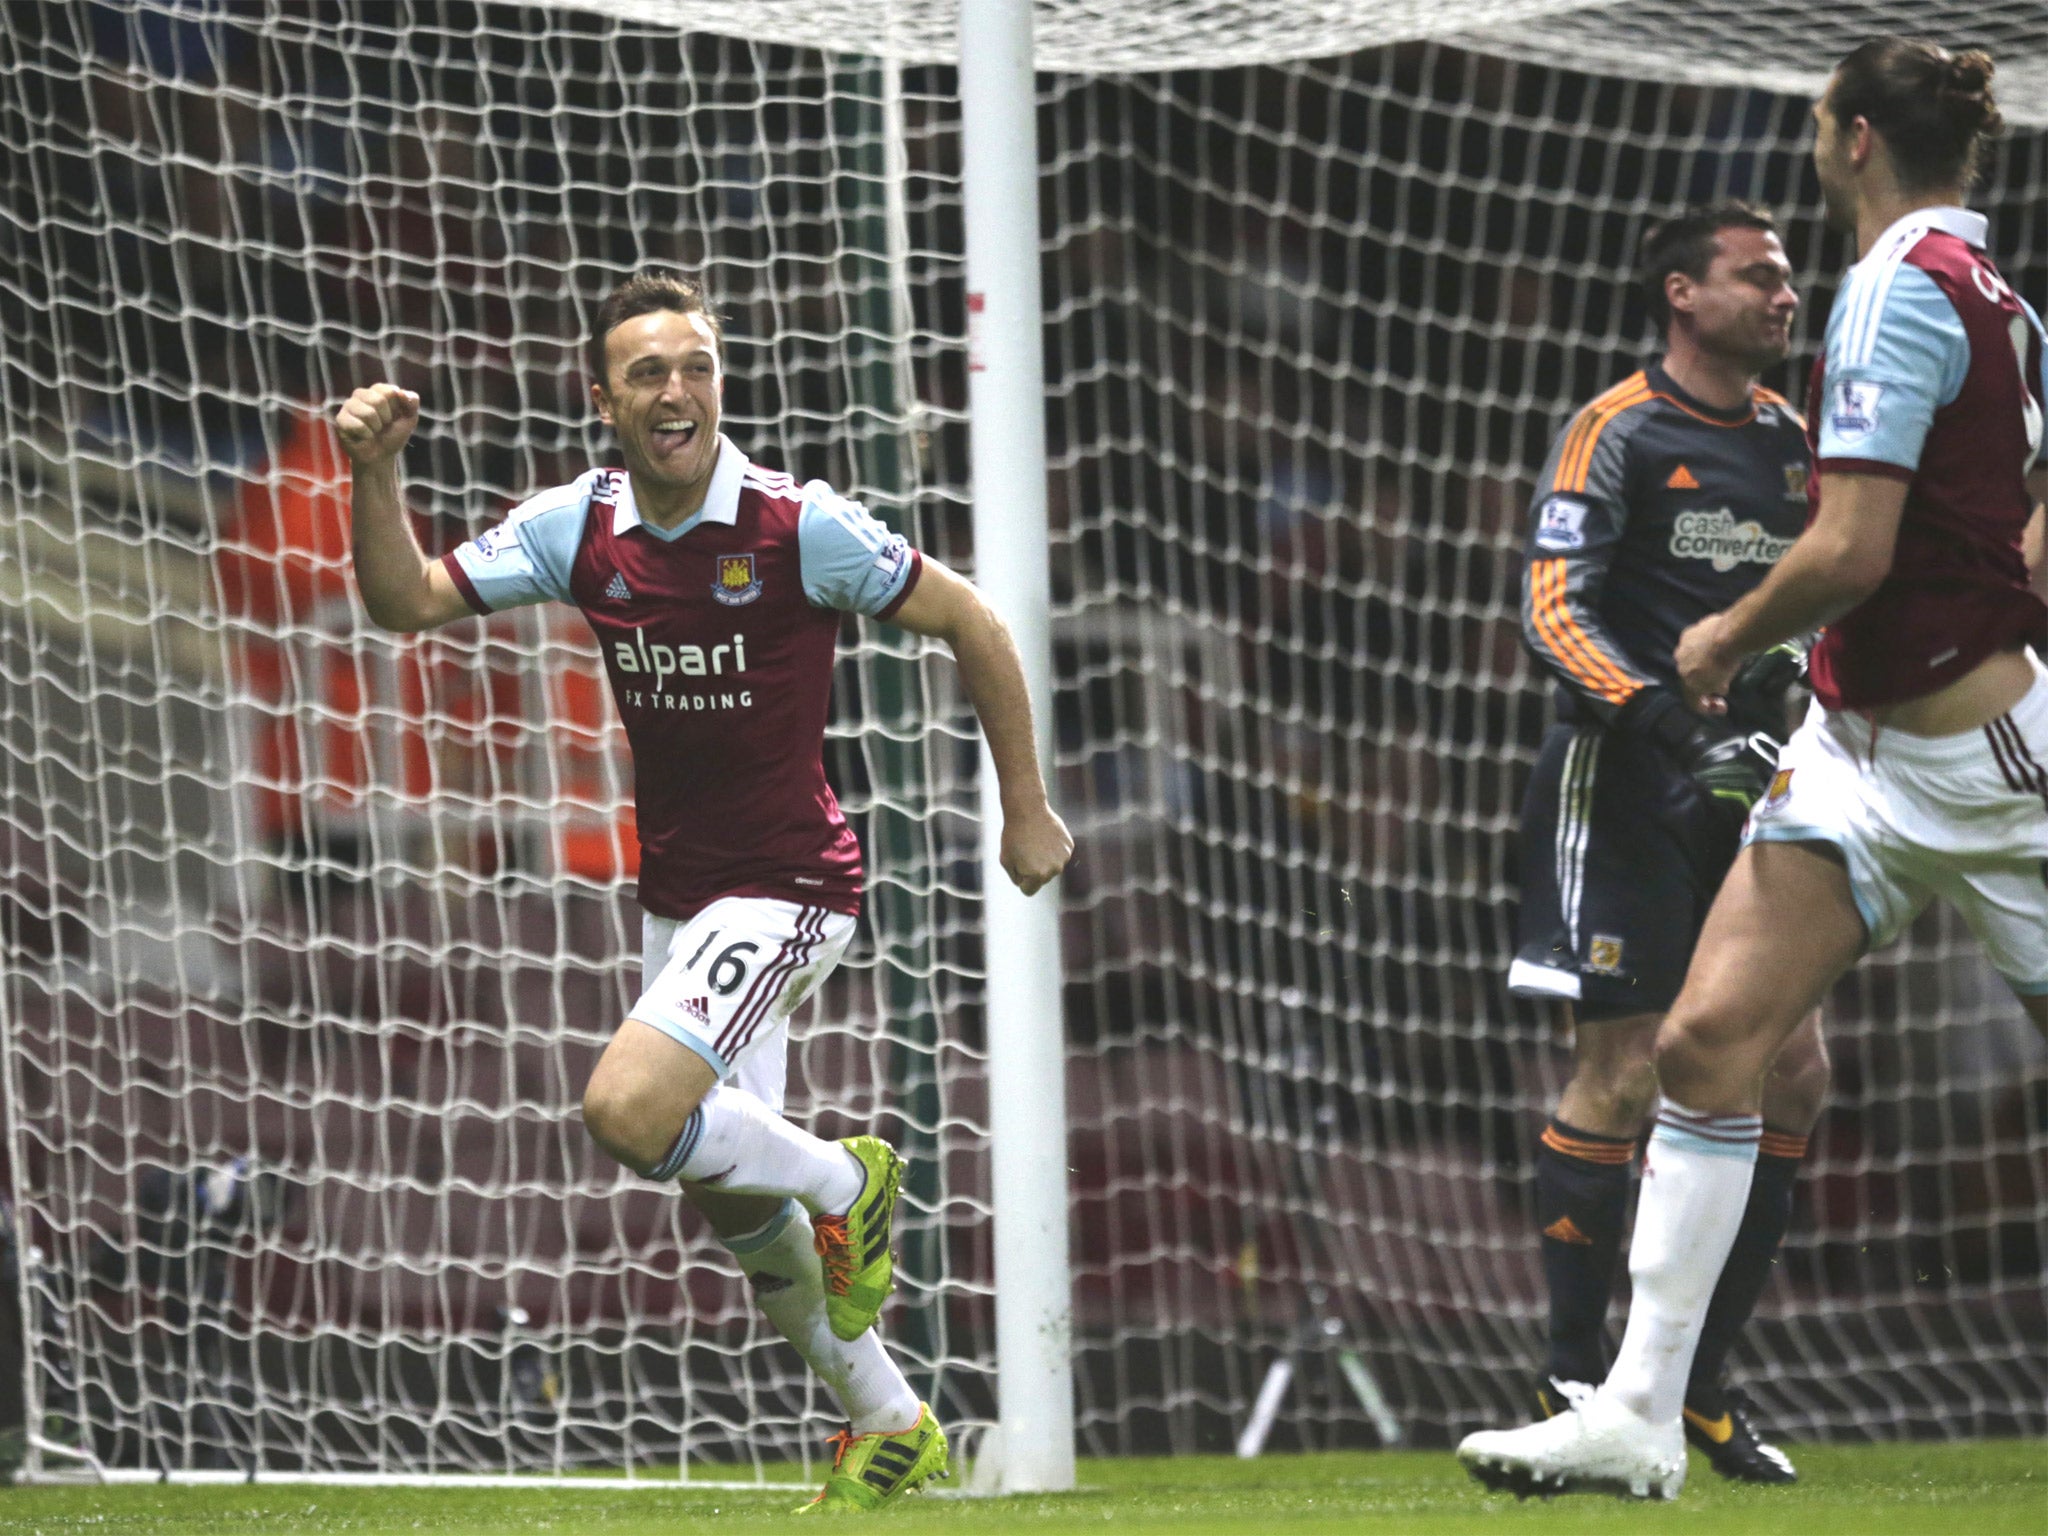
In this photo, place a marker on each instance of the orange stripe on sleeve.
(1570, 451)
(1616, 407)
(1589, 421)
(1782, 1144)
(1576, 467)
(1622, 686)
(1546, 579)
(1561, 632)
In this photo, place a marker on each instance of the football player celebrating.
(715, 588)
(1920, 768)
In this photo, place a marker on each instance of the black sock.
(1748, 1269)
(1582, 1188)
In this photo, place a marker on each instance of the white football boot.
(1597, 1446)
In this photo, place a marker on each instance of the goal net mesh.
(312, 933)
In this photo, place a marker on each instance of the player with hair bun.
(1922, 768)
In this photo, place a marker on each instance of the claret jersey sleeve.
(526, 558)
(851, 560)
(1579, 515)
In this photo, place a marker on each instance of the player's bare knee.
(1705, 1057)
(1620, 1092)
(629, 1120)
(1614, 1081)
(1793, 1100)
(641, 1092)
(605, 1114)
(1796, 1089)
(1633, 1095)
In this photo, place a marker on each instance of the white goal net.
(312, 933)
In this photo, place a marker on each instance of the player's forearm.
(390, 569)
(993, 674)
(1841, 559)
(1820, 578)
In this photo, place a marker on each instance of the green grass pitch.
(1953, 1490)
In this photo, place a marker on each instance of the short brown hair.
(644, 293)
(1935, 109)
(1686, 244)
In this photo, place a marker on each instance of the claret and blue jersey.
(1934, 373)
(718, 638)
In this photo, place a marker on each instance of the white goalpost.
(1220, 344)
(1033, 1444)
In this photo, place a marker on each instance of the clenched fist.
(374, 423)
(1035, 848)
(1705, 668)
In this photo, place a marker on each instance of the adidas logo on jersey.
(618, 591)
(1682, 479)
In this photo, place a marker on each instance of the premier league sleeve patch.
(1561, 524)
(1852, 409)
(737, 584)
(890, 561)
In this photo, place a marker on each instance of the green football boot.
(860, 1271)
(870, 1470)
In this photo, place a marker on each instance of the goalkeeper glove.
(1756, 695)
(1732, 768)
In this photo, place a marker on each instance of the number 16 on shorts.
(725, 982)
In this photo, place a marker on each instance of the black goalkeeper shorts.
(1621, 857)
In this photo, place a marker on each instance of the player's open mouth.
(669, 436)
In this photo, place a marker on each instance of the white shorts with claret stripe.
(1964, 817)
(725, 982)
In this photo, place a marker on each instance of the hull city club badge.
(736, 582)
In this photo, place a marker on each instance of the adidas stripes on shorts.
(1964, 817)
(725, 982)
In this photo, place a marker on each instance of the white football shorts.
(1963, 817)
(725, 982)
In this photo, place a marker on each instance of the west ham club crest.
(736, 582)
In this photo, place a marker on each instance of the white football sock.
(782, 1266)
(740, 1146)
(1695, 1187)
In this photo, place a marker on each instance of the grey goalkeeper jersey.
(1653, 511)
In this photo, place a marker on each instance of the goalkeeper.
(1664, 500)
